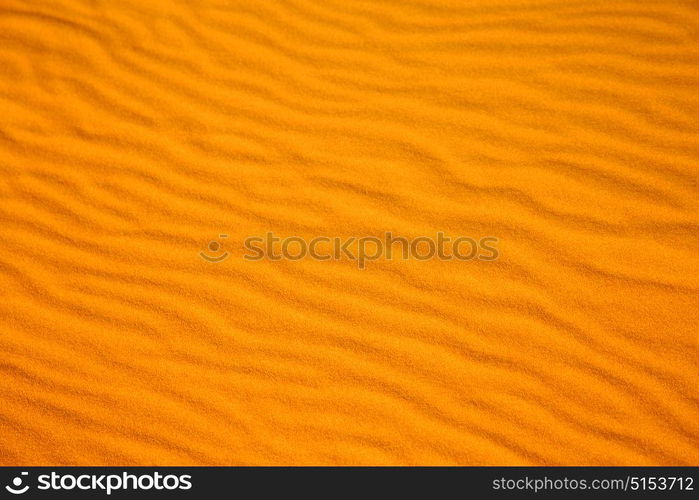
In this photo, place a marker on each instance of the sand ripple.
(134, 132)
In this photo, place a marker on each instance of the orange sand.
(132, 133)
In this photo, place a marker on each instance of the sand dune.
(134, 133)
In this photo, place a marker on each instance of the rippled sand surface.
(133, 133)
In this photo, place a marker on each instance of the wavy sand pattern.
(134, 132)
